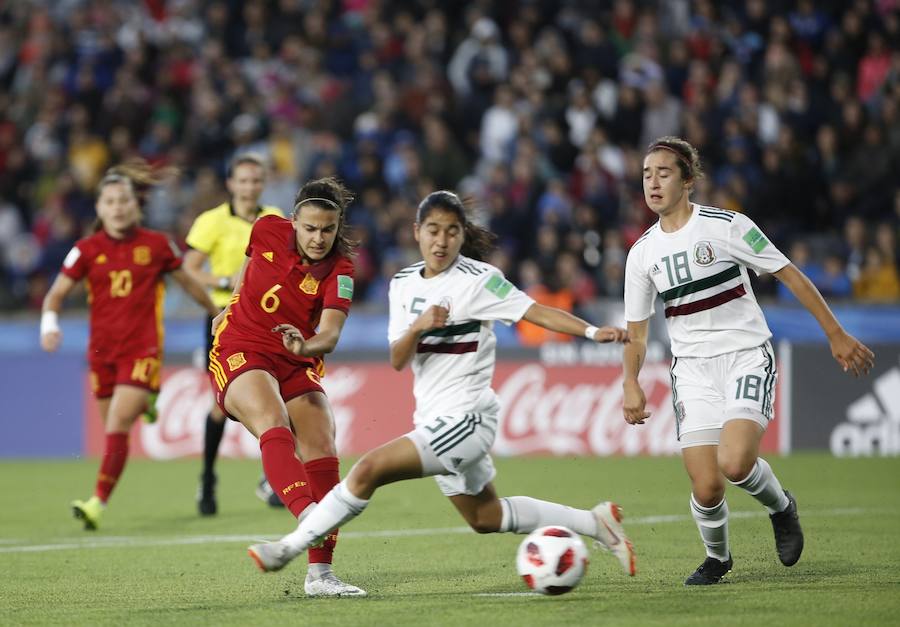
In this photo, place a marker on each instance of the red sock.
(114, 457)
(284, 471)
(323, 475)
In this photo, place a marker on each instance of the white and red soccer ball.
(552, 560)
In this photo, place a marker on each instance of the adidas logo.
(456, 461)
(872, 426)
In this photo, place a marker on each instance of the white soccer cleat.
(611, 535)
(328, 585)
(271, 556)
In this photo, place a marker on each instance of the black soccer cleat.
(788, 534)
(709, 572)
(206, 496)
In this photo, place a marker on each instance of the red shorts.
(141, 371)
(294, 379)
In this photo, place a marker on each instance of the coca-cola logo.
(552, 410)
(185, 400)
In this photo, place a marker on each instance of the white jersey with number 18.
(453, 366)
(700, 271)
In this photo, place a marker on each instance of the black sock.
(211, 440)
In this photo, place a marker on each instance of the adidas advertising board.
(832, 410)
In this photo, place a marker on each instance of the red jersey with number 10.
(279, 289)
(125, 290)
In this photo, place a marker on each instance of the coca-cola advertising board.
(555, 410)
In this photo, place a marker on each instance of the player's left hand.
(604, 335)
(851, 354)
(291, 337)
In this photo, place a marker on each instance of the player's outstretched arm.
(51, 336)
(633, 400)
(403, 350)
(849, 352)
(563, 322)
(195, 290)
(195, 265)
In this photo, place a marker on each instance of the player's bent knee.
(736, 470)
(483, 525)
(708, 494)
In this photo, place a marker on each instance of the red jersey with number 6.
(125, 290)
(279, 289)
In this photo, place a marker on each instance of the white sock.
(763, 485)
(338, 507)
(317, 570)
(523, 514)
(712, 522)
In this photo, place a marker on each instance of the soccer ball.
(552, 560)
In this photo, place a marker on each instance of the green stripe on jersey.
(455, 329)
(690, 288)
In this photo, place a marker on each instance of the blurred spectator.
(878, 281)
(539, 112)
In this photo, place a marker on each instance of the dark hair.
(330, 194)
(253, 158)
(137, 174)
(687, 156)
(478, 242)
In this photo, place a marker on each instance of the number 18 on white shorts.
(709, 391)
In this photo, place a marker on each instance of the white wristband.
(49, 322)
(590, 332)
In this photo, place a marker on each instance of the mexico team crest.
(309, 285)
(142, 255)
(704, 254)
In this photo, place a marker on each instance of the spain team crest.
(309, 285)
(142, 255)
(236, 361)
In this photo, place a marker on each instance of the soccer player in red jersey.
(124, 265)
(289, 306)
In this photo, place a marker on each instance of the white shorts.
(456, 451)
(709, 391)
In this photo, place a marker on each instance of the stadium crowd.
(538, 111)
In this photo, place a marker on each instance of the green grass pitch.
(155, 562)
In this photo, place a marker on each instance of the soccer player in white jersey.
(442, 311)
(723, 371)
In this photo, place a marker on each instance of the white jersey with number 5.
(700, 271)
(453, 366)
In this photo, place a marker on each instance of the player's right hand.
(435, 317)
(51, 340)
(634, 403)
(851, 354)
(291, 337)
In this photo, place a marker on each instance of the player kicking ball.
(296, 282)
(442, 311)
(696, 259)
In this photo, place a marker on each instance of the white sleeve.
(750, 247)
(495, 298)
(397, 324)
(640, 292)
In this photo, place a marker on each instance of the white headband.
(323, 200)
